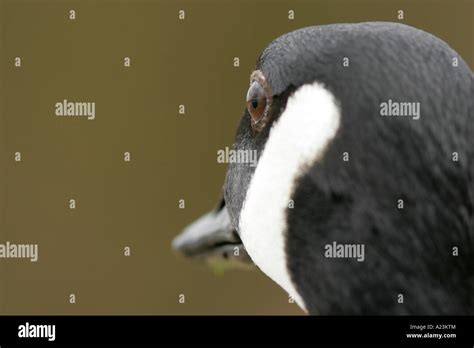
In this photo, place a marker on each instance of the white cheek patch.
(298, 138)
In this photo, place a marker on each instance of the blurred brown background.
(135, 204)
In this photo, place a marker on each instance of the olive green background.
(135, 204)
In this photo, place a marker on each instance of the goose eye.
(256, 101)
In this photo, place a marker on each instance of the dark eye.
(256, 101)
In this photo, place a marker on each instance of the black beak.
(212, 237)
